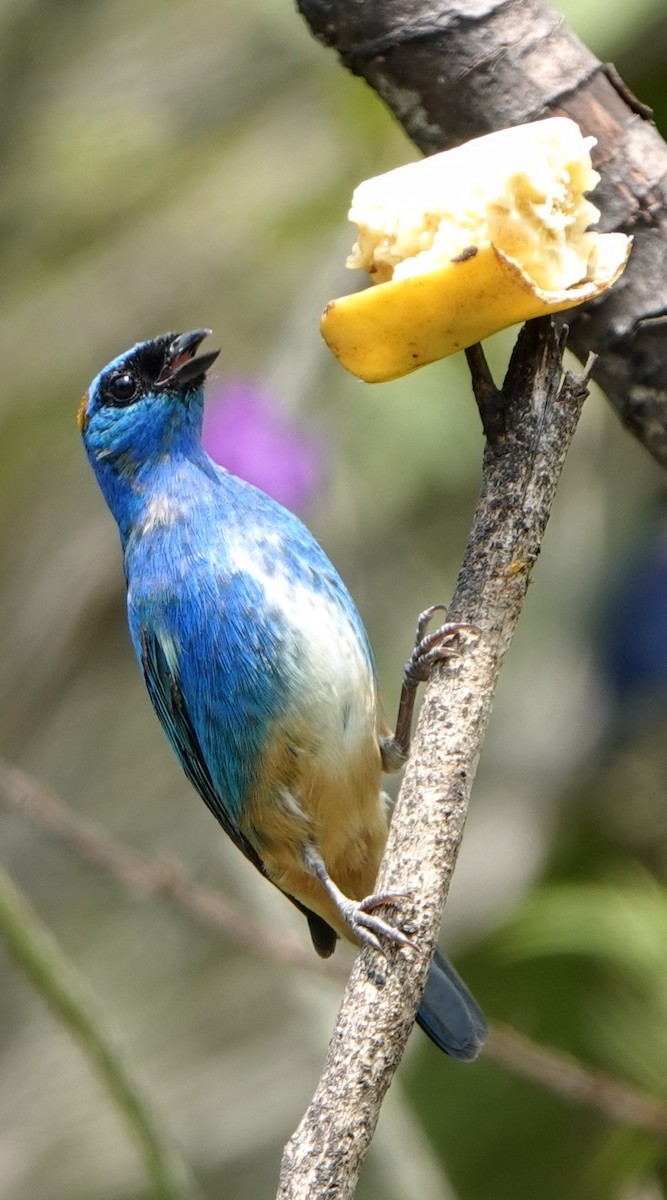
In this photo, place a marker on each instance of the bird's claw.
(370, 929)
(432, 647)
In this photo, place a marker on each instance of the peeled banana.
(468, 242)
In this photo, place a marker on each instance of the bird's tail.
(449, 1014)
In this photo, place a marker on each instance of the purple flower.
(245, 431)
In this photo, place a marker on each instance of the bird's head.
(146, 403)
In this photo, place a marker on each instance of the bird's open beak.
(182, 366)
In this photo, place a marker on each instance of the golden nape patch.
(82, 414)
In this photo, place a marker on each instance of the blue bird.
(257, 663)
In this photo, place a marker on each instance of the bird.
(257, 663)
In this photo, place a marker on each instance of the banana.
(468, 242)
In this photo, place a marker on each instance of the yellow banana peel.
(468, 242)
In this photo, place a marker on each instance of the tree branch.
(520, 472)
(450, 70)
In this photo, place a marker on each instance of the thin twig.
(488, 396)
(148, 878)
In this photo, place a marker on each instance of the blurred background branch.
(576, 1082)
(148, 878)
(36, 952)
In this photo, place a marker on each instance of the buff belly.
(320, 777)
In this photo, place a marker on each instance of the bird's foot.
(358, 915)
(434, 647)
(430, 648)
(369, 929)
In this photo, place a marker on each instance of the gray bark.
(520, 472)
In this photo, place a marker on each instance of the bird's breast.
(325, 663)
(271, 660)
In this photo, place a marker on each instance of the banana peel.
(438, 235)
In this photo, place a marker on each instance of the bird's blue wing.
(168, 701)
(169, 704)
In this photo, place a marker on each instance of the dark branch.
(489, 398)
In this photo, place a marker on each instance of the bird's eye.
(122, 388)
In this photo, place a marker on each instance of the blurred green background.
(170, 165)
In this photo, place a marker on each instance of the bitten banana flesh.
(467, 242)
